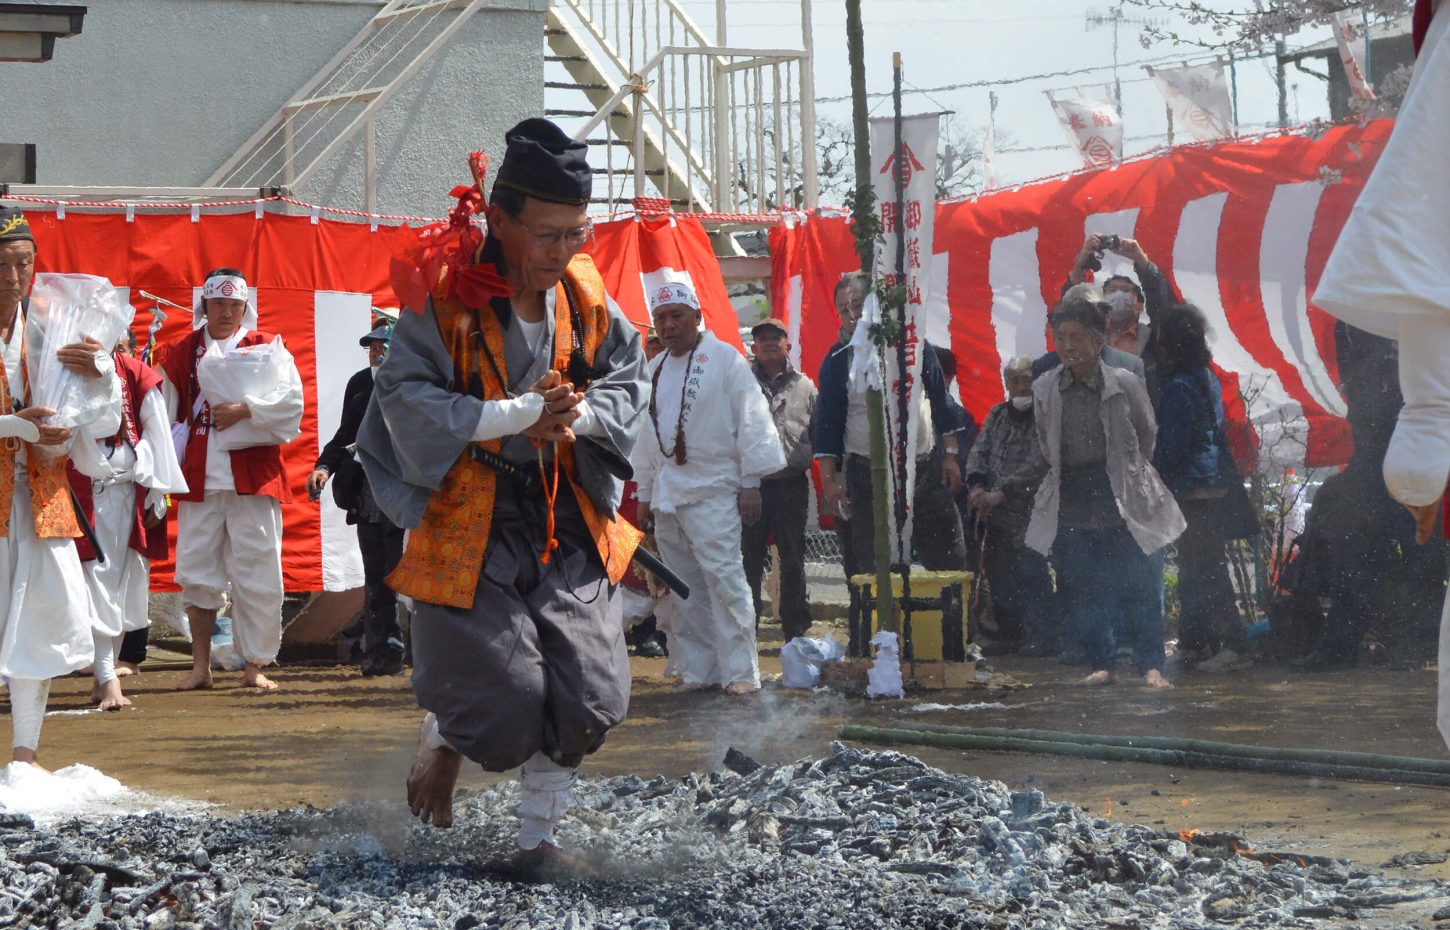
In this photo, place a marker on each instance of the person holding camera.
(380, 539)
(1128, 299)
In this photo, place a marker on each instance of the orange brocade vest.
(444, 557)
(55, 518)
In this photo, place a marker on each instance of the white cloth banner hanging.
(1349, 35)
(989, 147)
(906, 228)
(1198, 96)
(1092, 122)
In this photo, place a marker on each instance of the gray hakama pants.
(539, 663)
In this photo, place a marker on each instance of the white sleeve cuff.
(750, 484)
(18, 427)
(588, 423)
(509, 416)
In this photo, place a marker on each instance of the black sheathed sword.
(651, 563)
(88, 531)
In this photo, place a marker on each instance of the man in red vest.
(229, 525)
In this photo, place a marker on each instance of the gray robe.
(538, 662)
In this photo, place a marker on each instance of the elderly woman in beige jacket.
(1102, 509)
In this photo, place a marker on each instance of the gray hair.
(1018, 363)
(1085, 291)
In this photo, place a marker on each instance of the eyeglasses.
(573, 238)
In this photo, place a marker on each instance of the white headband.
(673, 293)
(225, 287)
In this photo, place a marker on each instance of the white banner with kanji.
(1198, 97)
(1092, 123)
(1349, 35)
(907, 246)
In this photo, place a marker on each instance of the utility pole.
(864, 213)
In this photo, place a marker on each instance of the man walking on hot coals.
(785, 495)
(707, 445)
(499, 432)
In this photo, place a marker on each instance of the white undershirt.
(533, 334)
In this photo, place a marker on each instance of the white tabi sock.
(546, 790)
(107, 649)
(27, 711)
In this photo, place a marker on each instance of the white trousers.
(714, 631)
(108, 649)
(235, 539)
(120, 585)
(27, 711)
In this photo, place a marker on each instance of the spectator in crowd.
(229, 524)
(127, 509)
(379, 539)
(1113, 357)
(1193, 458)
(843, 445)
(948, 361)
(785, 495)
(46, 615)
(708, 443)
(1127, 331)
(1102, 509)
(1003, 470)
(850, 297)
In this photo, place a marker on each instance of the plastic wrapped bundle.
(241, 375)
(66, 309)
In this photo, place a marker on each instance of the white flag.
(1093, 124)
(907, 225)
(989, 147)
(1349, 33)
(1199, 98)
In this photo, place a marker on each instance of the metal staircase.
(675, 115)
(345, 96)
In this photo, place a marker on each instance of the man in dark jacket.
(379, 539)
(842, 445)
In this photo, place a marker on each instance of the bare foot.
(741, 687)
(109, 696)
(198, 680)
(433, 776)
(1154, 679)
(27, 756)
(127, 669)
(1100, 678)
(252, 677)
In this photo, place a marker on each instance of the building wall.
(163, 92)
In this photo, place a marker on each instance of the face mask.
(1022, 403)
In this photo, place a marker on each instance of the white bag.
(66, 309)
(801, 660)
(231, 377)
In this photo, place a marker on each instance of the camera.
(1105, 244)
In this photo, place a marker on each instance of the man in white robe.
(1389, 274)
(141, 469)
(709, 441)
(45, 606)
(229, 525)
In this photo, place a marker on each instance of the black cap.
(770, 323)
(540, 160)
(383, 332)
(14, 226)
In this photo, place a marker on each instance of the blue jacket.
(1189, 454)
(832, 402)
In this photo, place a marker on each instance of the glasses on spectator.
(573, 238)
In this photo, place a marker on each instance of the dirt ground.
(331, 736)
